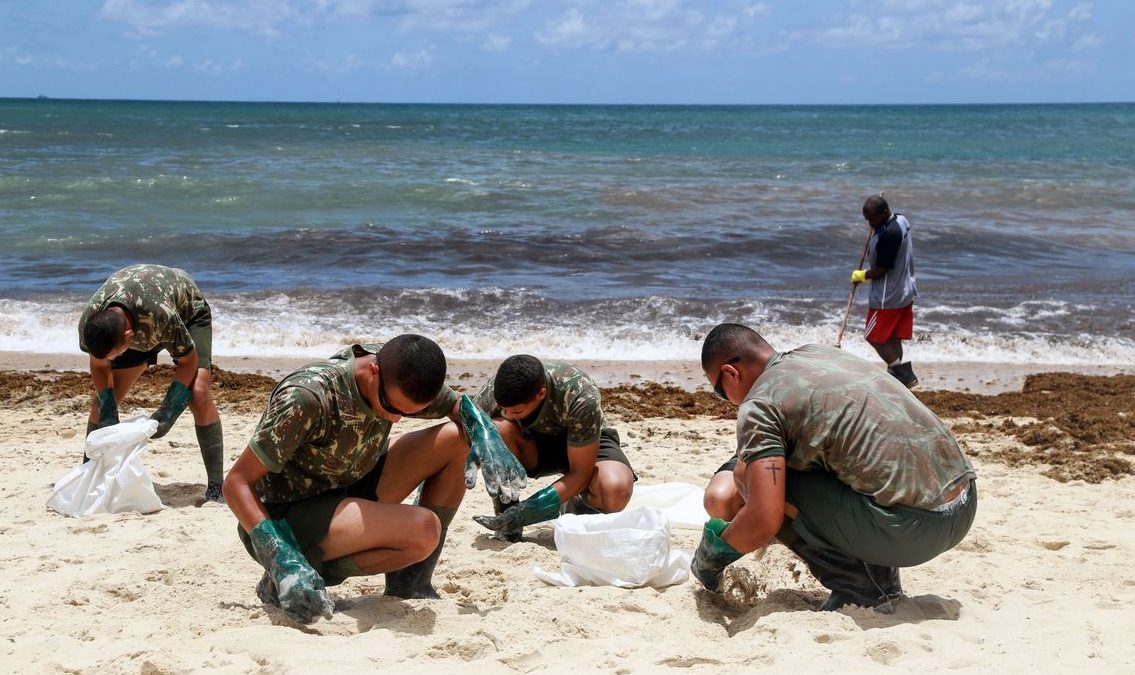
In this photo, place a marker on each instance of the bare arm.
(240, 490)
(581, 467)
(101, 375)
(186, 370)
(760, 518)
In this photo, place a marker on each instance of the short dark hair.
(104, 330)
(518, 380)
(727, 340)
(414, 364)
(876, 204)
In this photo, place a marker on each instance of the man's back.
(825, 408)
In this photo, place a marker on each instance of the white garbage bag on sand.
(115, 479)
(627, 549)
(681, 502)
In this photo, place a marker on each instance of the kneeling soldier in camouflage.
(835, 459)
(550, 416)
(318, 491)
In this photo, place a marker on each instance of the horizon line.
(42, 97)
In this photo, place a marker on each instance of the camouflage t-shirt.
(162, 301)
(822, 408)
(572, 406)
(318, 432)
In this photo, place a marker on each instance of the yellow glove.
(858, 276)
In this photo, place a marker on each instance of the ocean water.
(620, 232)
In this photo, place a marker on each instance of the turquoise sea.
(618, 232)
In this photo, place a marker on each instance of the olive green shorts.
(552, 453)
(833, 515)
(200, 330)
(310, 518)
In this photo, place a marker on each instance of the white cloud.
(998, 71)
(271, 17)
(947, 25)
(412, 60)
(263, 17)
(211, 67)
(1085, 42)
(623, 25)
(496, 43)
(339, 66)
(758, 9)
(652, 25)
(455, 16)
(570, 28)
(10, 55)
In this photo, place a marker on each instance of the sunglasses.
(385, 403)
(718, 388)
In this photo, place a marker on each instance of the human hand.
(177, 399)
(108, 408)
(544, 505)
(504, 474)
(858, 276)
(299, 587)
(713, 555)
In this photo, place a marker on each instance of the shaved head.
(729, 340)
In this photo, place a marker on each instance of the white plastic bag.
(115, 479)
(625, 549)
(681, 502)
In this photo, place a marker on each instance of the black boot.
(883, 588)
(91, 426)
(851, 581)
(904, 372)
(579, 506)
(213, 493)
(416, 581)
(513, 535)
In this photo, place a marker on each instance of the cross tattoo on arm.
(773, 469)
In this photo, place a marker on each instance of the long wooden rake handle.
(851, 296)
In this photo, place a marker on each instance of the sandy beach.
(1043, 581)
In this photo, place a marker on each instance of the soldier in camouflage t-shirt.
(550, 415)
(139, 311)
(838, 461)
(318, 491)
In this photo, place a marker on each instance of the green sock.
(444, 513)
(212, 443)
(340, 568)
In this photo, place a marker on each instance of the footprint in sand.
(884, 652)
(88, 529)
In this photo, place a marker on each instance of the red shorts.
(884, 325)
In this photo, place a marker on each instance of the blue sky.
(571, 51)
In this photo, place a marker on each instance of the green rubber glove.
(504, 474)
(858, 276)
(544, 505)
(299, 587)
(177, 398)
(108, 408)
(713, 555)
